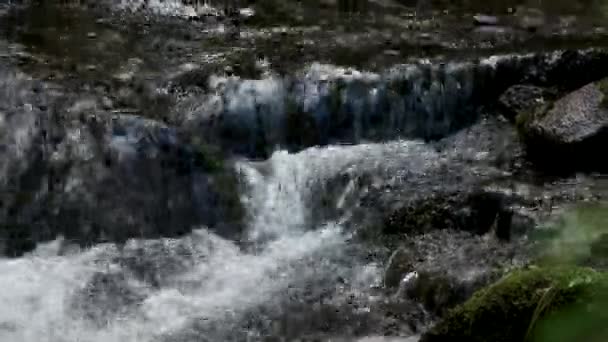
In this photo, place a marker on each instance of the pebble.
(425, 36)
(391, 52)
(91, 35)
(482, 19)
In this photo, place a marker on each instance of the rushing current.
(314, 152)
(201, 286)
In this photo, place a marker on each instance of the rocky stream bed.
(302, 171)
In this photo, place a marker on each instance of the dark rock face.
(521, 97)
(570, 133)
(478, 212)
(71, 169)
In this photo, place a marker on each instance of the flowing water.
(204, 285)
(292, 273)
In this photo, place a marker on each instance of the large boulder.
(537, 304)
(92, 176)
(570, 133)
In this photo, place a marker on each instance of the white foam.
(42, 292)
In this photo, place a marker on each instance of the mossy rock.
(525, 305)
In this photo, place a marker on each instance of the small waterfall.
(326, 104)
(202, 286)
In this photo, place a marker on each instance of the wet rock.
(570, 133)
(568, 70)
(438, 292)
(478, 212)
(486, 20)
(95, 177)
(522, 97)
(449, 266)
(16, 239)
(421, 216)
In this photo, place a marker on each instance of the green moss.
(208, 157)
(576, 238)
(518, 307)
(524, 119)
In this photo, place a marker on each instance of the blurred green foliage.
(574, 239)
(556, 300)
(580, 238)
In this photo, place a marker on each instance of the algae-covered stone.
(523, 305)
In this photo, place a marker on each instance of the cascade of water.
(325, 104)
(199, 285)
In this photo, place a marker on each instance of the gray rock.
(483, 19)
(110, 178)
(571, 133)
(575, 117)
